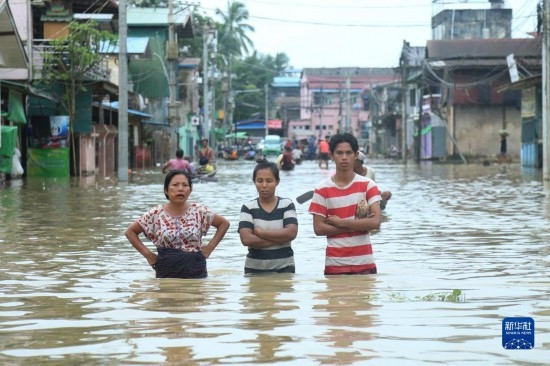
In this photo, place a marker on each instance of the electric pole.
(122, 93)
(404, 76)
(266, 87)
(206, 93)
(348, 104)
(546, 91)
(172, 59)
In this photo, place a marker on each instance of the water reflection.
(347, 315)
(75, 292)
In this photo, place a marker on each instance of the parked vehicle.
(272, 145)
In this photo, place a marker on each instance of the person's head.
(173, 180)
(343, 150)
(204, 142)
(359, 161)
(266, 177)
(179, 153)
(343, 138)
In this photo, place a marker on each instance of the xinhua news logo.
(518, 333)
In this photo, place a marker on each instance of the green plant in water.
(454, 296)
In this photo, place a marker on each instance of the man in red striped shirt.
(335, 212)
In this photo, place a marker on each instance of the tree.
(232, 32)
(233, 42)
(70, 63)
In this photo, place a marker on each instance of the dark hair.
(264, 164)
(343, 137)
(179, 153)
(171, 174)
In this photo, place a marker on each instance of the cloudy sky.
(363, 33)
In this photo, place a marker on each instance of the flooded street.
(74, 291)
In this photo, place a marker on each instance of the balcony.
(42, 46)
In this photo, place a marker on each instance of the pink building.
(336, 100)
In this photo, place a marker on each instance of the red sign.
(275, 124)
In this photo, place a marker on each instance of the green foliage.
(232, 30)
(70, 62)
(454, 296)
(71, 59)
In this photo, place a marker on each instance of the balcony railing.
(42, 46)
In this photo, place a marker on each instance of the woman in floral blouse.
(176, 228)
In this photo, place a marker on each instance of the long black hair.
(171, 174)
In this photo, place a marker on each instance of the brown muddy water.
(461, 248)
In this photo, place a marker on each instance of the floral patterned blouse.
(179, 232)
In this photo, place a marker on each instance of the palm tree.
(232, 41)
(232, 36)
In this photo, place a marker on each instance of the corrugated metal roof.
(286, 81)
(134, 45)
(155, 17)
(483, 48)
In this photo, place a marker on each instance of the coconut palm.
(232, 31)
(233, 41)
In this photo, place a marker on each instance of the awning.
(12, 54)
(114, 106)
(28, 89)
(239, 135)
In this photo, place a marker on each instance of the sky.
(353, 33)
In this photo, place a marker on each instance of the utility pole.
(205, 72)
(172, 51)
(340, 96)
(546, 91)
(266, 87)
(348, 104)
(122, 93)
(321, 113)
(404, 77)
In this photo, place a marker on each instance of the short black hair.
(171, 174)
(179, 153)
(343, 137)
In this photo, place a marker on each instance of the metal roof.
(12, 54)
(134, 45)
(155, 17)
(483, 48)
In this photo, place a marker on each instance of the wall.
(477, 130)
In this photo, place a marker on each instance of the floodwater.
(74, 291)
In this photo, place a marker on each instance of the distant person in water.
(368, 172)
(323, 153)
(179, 163)
(268, 224)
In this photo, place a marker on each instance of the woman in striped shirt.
(268, 224)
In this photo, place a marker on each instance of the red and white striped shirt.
(349, 252)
